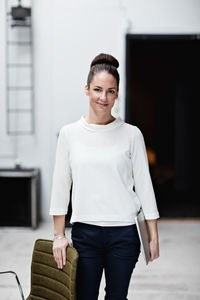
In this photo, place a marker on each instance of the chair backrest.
(49, 282)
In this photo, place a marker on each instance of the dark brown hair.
(104, 62)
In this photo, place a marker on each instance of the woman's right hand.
(59, 251)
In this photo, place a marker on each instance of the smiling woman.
(106, 160)
(102, 88)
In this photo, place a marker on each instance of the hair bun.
(103, 58)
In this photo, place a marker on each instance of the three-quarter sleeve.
(142, 179)
(62, 178)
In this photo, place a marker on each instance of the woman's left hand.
(154, 249)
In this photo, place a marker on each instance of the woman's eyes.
(110, 91)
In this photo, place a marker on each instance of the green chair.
(47, 281)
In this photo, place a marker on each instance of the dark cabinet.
(20, 197)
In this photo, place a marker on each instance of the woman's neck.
(99, 121)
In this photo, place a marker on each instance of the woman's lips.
(102, 104)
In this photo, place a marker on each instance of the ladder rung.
(15, 88)
(19, 43)
(12, 110)
(20, 132)
(19, 65)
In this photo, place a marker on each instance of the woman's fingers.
(154, 250)
(63, 256)
(55, 254)
(57, 257)
(59, 251)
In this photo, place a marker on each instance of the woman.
(106, 160)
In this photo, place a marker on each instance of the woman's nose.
(103, 96)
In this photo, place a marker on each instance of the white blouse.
(107, 167)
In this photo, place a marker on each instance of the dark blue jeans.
(113, 248)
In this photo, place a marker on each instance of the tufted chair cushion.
(47, 281)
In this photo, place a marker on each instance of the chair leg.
(18, 282)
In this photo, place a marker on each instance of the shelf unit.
(19, 71)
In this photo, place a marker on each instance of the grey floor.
(174, 275)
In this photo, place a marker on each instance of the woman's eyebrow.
(112, 88)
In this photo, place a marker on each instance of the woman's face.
(102, 92)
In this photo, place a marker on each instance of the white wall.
(67, 36)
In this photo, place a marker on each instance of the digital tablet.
(143, 235)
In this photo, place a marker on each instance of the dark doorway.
(162, 95)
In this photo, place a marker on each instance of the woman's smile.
(101, 104)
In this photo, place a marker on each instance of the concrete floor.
(174, 275)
